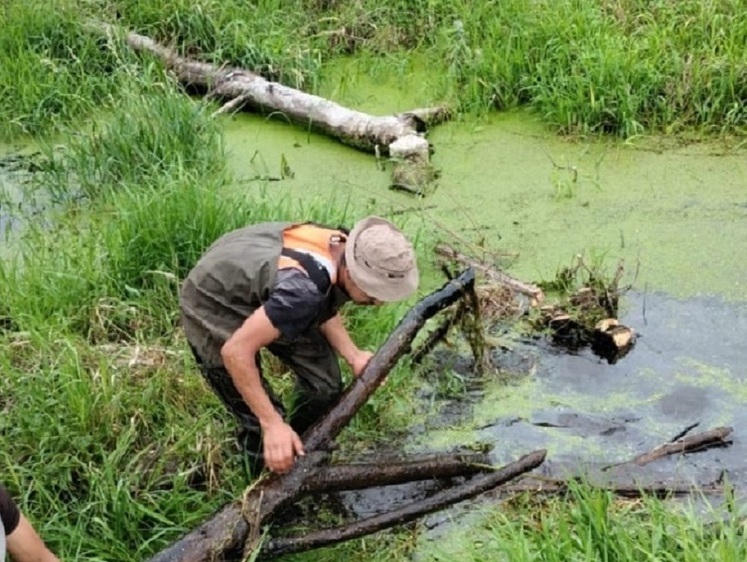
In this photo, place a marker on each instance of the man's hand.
(359, 360)
(281, 445)
(338, 337)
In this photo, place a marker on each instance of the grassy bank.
(111, 442)
(621, 67)
(592, 525)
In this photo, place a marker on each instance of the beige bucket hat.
(381, 261)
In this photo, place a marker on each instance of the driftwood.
(400, 136)
(712, 438)
(234, 531)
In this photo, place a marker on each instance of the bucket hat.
(381, 261)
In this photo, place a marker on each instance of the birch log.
(401, 136)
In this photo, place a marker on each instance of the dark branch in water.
(384, 473)
(437, 336)
(698, 442)
(438, 501)
(712, 438)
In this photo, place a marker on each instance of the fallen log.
(234, 530)
(384, 473)
(400, 136)
(474, 487)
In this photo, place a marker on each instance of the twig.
(492, 273)
(684, 432)
(698, 442)
(232, 105)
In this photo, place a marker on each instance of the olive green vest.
(231, 280)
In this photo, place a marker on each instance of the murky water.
(687, 368)
(18, 200)
(677, 218)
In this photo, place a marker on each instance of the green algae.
(674, 213)
(705, 375)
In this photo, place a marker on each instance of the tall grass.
(155, 132)
(592, 525)
(621, 67)
(609, 67)
(52, 70)
(267, 37)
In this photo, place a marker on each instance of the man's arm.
(281, 443)
(339, 338)
(25, 544)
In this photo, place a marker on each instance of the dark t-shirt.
(9, 512)
(295, 303)
(236, 276)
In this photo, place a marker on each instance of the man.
(23, 543)
(279, 286)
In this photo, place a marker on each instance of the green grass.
(53, 71)
(114, 445)
(620, 67)
(593, 525)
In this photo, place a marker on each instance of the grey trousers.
(318, 384)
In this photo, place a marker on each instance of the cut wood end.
(408, 146)
(537, 298)
(611, 330)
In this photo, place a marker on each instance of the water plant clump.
(585, 310)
